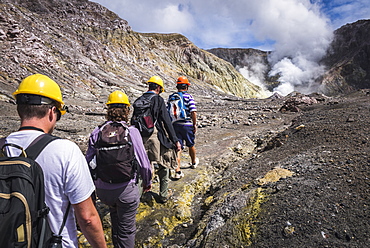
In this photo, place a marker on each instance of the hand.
(194, 128)
(148, 188)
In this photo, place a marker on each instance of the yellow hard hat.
(157, 80)
(118, 97)
(41, 85)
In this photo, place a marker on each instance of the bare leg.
(178, 161)
(192, 153)
(178, 172)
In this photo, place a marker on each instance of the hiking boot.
(155, 178)
(193, 166)
(162, 199)
(179, 175)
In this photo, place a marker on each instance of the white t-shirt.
(67, 179)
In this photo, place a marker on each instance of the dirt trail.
(228, 132)
(325, 203)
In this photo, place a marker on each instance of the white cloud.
(346, 11)
(296, 26)
(153, 16)
(172, 19)
(297, 31)
(242, 23)
(302, 36)
(255, 72)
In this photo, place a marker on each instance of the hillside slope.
(90, 51)
(348, 59)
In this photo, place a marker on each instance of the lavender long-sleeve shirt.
(140, 153)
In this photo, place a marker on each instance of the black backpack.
(23, 212)
(115, 156)
(142, 117)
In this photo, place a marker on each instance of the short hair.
(34, 106)
(153, 86)
(118, 113)
(26, 111)
(182, 86)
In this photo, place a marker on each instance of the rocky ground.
(267, 178)
(273, 179)
(326, 201)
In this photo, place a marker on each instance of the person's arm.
(190, 103)
(194, 120)
(91, 151)
(167, 123)
(142, 158)
(89, 221)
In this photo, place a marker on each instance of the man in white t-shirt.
(66, 173)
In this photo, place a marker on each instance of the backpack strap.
(34, 148)
(150, 97)
(124, 124)
(2, 142)
(38, 144)
(32, 151)
(64, 218)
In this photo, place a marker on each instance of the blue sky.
(297, 31)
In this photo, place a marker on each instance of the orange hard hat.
(183, 80)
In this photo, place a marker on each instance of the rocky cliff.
(248, 59)
(240, 57)
(90, 51)
(348, 59)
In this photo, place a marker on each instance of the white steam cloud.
(302, 36)
(303, 43)
(255, 72)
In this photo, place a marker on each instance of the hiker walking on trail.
(151, 118)
(117, 155)
(183, 113)
(67, 180)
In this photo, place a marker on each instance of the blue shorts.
(185, 133)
